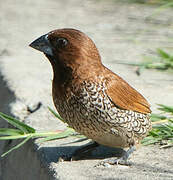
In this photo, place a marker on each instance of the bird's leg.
(122, 160)
(84, 150)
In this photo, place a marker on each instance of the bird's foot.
(119, 161)
(84, 151)
(80, 153)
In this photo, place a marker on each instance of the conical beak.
(42, 44)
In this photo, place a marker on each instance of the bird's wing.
(124, 96)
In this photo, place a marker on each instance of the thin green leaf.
(79, 140)
(150, 141)
(167, 137)
(163, 54)
(171, 59)
(17, 146)
(157, 117)
(16, 123)
(162, 128)
(10, 132)
(65, 134)
(165, 108)
(56, 114)
(157, 65)
(14, 137)
(170, 141)
(153, 133)
(170, 126)
(171, 121)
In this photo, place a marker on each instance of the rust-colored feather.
(124, 96)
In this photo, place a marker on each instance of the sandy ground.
(123, 33)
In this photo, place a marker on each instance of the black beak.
(42, 44)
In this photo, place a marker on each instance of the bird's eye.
(61, 42)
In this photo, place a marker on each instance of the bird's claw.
(119, 161)
(65, 158)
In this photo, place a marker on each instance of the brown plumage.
(92, 99)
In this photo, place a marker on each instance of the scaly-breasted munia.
(89, 97)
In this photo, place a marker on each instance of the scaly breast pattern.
(91, 112)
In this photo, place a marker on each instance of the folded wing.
(124, 96)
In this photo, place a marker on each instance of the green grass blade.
(17, 146)
(15, 137)
(152, 141)
(56, 114)
(162, 127)
(153, 133)
(170, 126)
(157, 117)
(165, 108)
(158, 65)
(16, 123)
(79, 140)
(10, 132)
(163, 61)
(163, 54)
(65, 134)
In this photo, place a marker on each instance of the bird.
(92, 99)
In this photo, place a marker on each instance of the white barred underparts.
(93, 114)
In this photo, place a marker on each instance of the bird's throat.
(62, 73)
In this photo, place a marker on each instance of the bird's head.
(68, 48)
